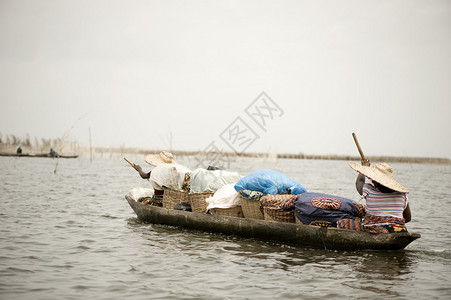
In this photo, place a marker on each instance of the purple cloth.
(311, 207)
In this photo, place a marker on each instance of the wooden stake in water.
(66, 133)
(90, 145)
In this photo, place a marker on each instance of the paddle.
(138, 168)
(364, 159)
(131, 164)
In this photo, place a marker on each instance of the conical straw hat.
(381, 173)
(163, 157)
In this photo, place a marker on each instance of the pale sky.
(181, 74)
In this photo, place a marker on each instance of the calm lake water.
(72, 235)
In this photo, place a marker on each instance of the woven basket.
(173, 197)
(197, 201)
(228, 212)
(279, 215)
(251, 209)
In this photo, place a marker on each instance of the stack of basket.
(197, 201)
(250, 204)
(278, 215)
(279, 208)
(173, 197)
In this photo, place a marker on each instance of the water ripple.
(75, 237)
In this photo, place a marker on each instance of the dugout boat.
(329, 238)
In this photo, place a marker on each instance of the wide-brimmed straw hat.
(381, 173)
(163, 157)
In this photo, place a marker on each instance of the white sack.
(140, 192)
(168, 175)
(225, 197)
(203, 180)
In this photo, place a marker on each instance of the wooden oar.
(131, 164)
(358, 147)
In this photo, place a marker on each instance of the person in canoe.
(167, 173)
(387, 205)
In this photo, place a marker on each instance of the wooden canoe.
(329, 238)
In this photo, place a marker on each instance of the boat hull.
(298, 234)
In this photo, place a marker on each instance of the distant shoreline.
(424, 160)
(126, 150)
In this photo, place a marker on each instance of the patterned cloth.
(284, 201)
(374, 224)
(322, 223)
(361, 209)
(350, 224)
(186, 186)
(155, 200)
(383, 224)
(251, 195)
(145, 200)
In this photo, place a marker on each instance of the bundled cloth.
(168, 175)
(251, 195)
(279, 208)
(374, 224)
(139, 193)
(325, 210)
(203, 180)
(145, 196)
(383, 224)
(269, 182)
(224, 197)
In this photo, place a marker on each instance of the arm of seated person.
(360, 181)
(143, 174)
(407, 214)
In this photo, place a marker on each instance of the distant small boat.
(298, 234)
(56, 156)
(37, 155)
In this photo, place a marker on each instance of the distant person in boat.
(52, 152)
(387, 205)
(19, 150)
(156, 160)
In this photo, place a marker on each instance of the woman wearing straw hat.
(387, 206)
(155, 160)
(163, 157)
